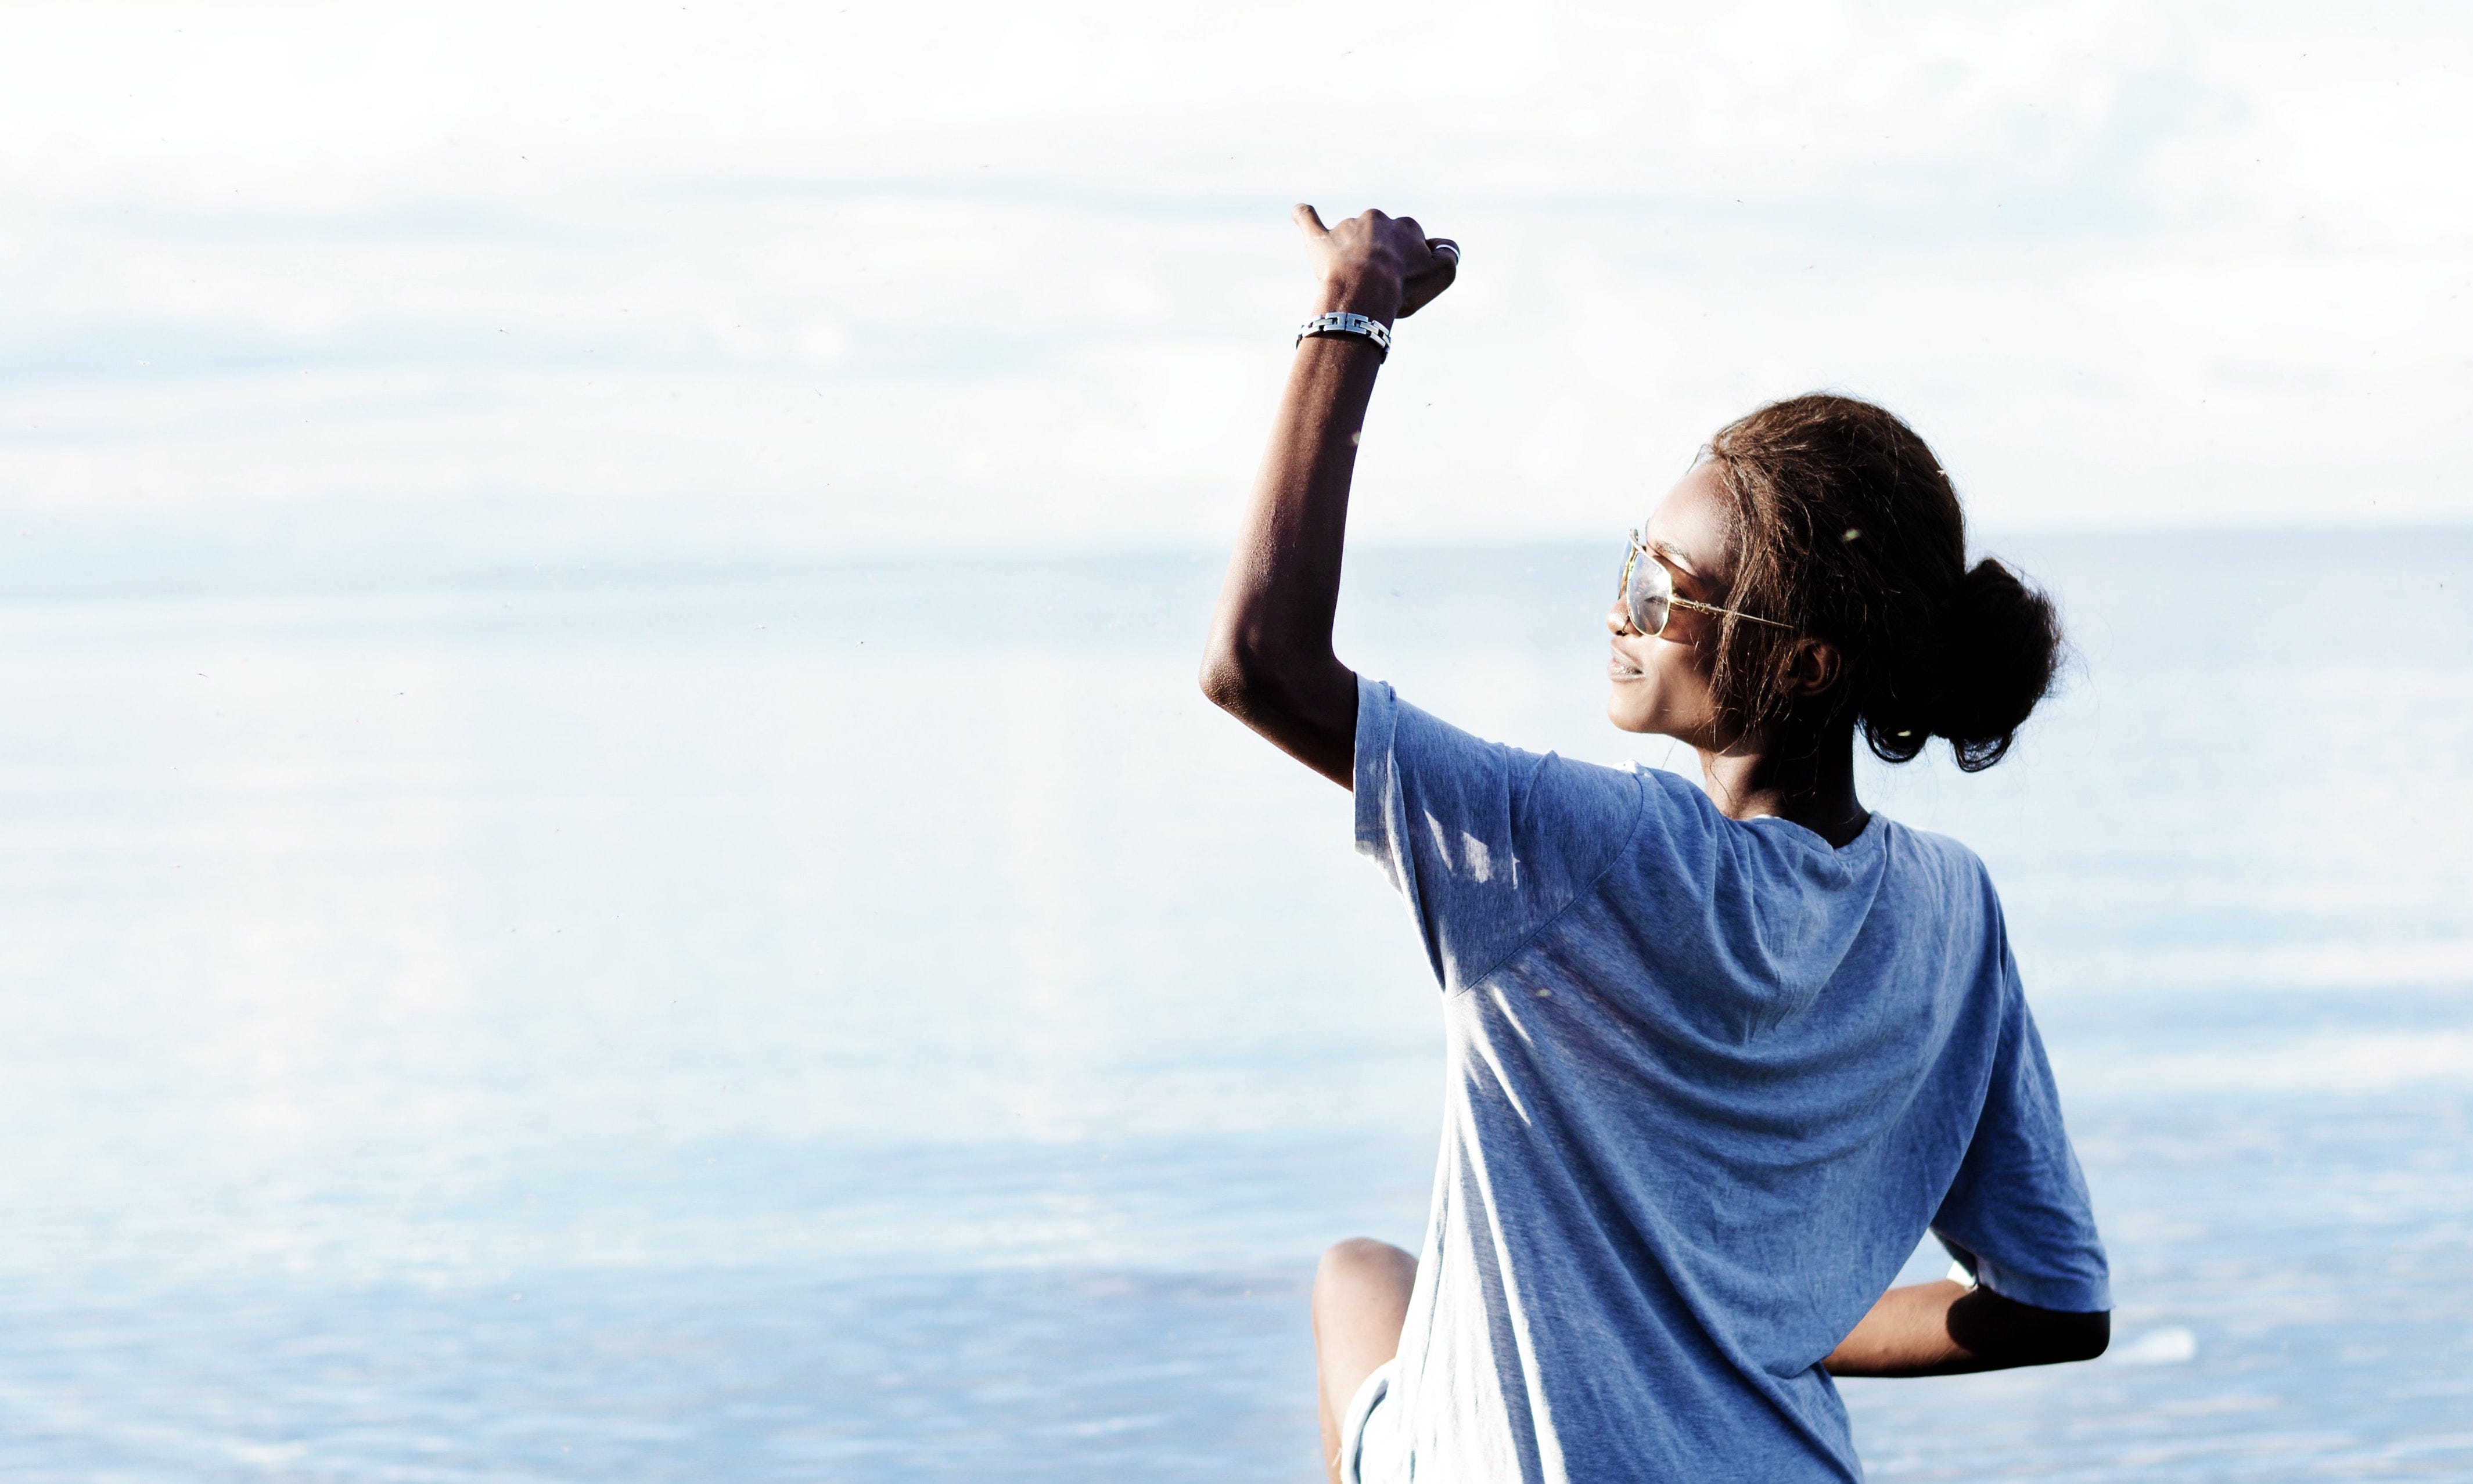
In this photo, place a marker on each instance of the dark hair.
(1848, 530)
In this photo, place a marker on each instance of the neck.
(1801, 775)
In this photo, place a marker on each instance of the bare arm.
(1946, 1329)
(1270, 663)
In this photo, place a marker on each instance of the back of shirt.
(1709, 1082)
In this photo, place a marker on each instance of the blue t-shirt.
(1709, 1082)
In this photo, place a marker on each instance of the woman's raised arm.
(1270, 662)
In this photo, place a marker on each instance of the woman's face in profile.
(1662, 684)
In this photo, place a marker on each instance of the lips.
(1617, 668)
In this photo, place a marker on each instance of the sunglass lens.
(1649, 594)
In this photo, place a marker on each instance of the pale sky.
(834, 277)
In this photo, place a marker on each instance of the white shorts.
(1370, 1449)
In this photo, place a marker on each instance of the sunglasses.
(1649, 599)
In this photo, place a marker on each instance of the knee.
(1362, 1262)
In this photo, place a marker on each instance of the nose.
(1619, 620)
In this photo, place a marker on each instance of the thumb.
(1309, 221)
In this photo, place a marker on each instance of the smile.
(1617, 668)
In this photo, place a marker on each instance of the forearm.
(1946, 1329)
(1270, 662)
(1907, 1333)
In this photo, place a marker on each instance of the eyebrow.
(1676, 555)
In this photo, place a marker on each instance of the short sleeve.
(2018, 1215)
(1488, 842)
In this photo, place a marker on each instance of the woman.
(1719, 1058)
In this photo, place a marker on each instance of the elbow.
(1306, 708)
(2087, 1339)
(2004, 1332)
(1247, 682)
(2057, 1339)
(1227, 680)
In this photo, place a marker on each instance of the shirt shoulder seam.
(1639, 812)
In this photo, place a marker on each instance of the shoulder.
(1555, 789)
(1945, 856)
(1546, 786)
(1929, 878)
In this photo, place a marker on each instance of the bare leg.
(1360, 1300)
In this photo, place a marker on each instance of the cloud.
(817, 280)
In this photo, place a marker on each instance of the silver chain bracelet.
(1362, 326)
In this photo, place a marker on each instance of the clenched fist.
(1386, 267)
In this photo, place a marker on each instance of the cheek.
(1686, 700)
(1680, 672)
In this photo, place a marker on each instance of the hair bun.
(1848, 531)
(2000, 651)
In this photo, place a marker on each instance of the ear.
(1809, 667)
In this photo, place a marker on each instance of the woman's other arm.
(1270, 662)
(1947, 1328)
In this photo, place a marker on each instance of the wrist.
(1345, 324)
(1371, 297)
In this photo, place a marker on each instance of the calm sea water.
(876, 1023)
